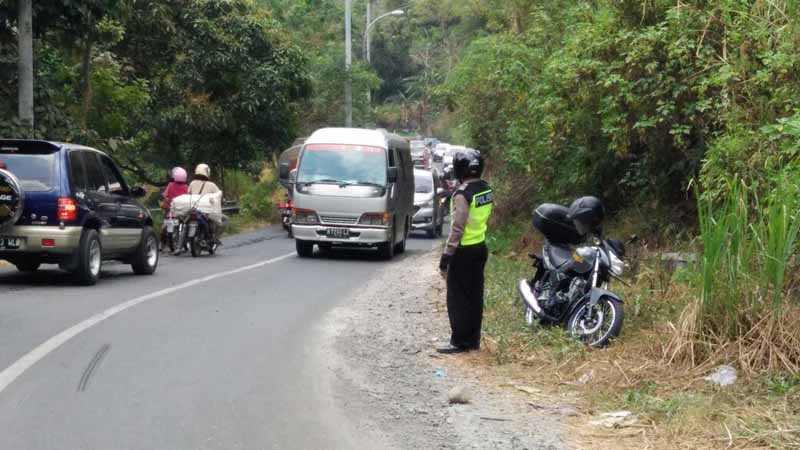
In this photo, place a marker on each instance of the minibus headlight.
(375, 219)
(304, 216)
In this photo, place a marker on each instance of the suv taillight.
(67, 209)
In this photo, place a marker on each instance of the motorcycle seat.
(558, 255)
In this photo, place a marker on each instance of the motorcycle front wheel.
(597, 327)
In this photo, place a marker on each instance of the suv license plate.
(9, 243)
(339, 233)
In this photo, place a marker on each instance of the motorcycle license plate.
(192, 229)
(8, 243)
(338, 233)
(170, 223)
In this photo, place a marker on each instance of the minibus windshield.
(342, 164)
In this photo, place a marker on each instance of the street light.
(348, 95)
(367, 42)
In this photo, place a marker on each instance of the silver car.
(420, 155)
(354, 187)
(428, 209)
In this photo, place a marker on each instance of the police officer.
(465, 253)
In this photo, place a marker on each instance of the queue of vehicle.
(70, 205)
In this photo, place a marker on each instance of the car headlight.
(428, 204)
(617, 265)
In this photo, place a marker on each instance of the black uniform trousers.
(465, 295)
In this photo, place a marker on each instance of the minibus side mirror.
(284, 171)
(391, 175)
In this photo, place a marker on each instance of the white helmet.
(203, 169)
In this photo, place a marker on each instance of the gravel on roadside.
(390, 382)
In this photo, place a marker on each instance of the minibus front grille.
(340, 220)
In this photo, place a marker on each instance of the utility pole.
(348, 46)
(25, 64)
(367, 39)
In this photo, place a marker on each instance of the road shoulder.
(390, 382)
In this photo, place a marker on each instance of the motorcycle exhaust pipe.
(527, 295)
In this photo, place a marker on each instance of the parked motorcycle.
(200, 234)
(570, 286)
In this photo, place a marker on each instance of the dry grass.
(771, 342)
(655, 369)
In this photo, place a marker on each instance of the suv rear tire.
(305, 249)
(90, 258)
(145, 260)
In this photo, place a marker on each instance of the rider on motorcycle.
(201, 184)
(176, 187)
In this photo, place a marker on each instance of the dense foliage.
(632, 100)
(160, 82)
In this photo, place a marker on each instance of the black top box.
(551, 220)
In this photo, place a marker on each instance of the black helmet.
(587, 213)
(468, 164)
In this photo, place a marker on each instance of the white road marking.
(14, 371)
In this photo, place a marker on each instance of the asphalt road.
(223, 363)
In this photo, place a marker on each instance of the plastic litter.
(725, 375)
(440, 373)
(615, 419)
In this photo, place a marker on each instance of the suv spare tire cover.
(12, 199)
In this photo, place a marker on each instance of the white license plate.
(338, 233)
(170, 223)
(192, 229)
(7, 243)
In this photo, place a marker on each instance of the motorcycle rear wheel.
(194, 245)
(604, 325)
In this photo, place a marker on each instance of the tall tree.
(25, 67)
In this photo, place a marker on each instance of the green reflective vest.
(479, 197)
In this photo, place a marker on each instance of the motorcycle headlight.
(617, 265)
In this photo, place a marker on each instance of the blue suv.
(69, 205)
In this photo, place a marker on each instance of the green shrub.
(257, 201)
(235, 183)
(747, 252)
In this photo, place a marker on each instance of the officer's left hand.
(444, 263)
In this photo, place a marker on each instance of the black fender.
(595, 294)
